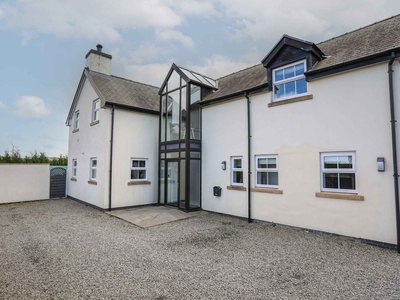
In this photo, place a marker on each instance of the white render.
(24, 182)
(349, 112)
(135, 135)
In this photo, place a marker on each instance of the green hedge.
(14, 157)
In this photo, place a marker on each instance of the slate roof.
(120, 91)
(373, 39)
(240, 81)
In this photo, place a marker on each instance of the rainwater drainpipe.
(394, 148)
(111, 157)
(248, 158)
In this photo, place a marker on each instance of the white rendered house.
(307, 138)
(113, 136)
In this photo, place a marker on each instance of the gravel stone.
(62, 249)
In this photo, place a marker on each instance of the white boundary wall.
(24, 182)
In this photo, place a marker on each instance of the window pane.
(262, 178)
(289, 72)
(301, 86)
(279, 91)
(135, 163)
(331, 180)
(273, 178)
(347, 181)
(330, 162)
(272, 163)
(238, 177)
(142, 174)
(142, 163)
(134, 174)
(262, 163)
(94, 163)
(345, 162)
(299, 69)
(93, 173)
(290, 88)
(237, 163)
(279, 75)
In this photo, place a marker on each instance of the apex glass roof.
(199, 78)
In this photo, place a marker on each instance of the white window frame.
(233, 169)
(266, 170)
(74, 168)
(95, 110)
(93, 168)
(275, 83)
(139, 168)
(76, 120)
(339, 171)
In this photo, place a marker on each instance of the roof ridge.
(238, 71)
(134, 81)
(361, 28)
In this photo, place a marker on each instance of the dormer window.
(289, 81)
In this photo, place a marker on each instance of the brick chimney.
(98, 61)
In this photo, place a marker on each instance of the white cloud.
(31, 107)
(2, 105)
(153, 74)
(174, 35)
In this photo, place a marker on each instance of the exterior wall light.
(380, 161)
(223, 165)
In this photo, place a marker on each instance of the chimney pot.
(99, 47)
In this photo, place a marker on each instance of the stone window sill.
(75, 130)
(341, 196)
(92, 182)
(139, 182)
(94, 123)
(289, 101)
(236, 188)
(267, 190)
(72, 179)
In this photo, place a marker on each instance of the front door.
(172, 184)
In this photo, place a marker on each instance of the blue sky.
(44, 42)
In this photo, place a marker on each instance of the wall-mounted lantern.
(223, 165)
(380, 161)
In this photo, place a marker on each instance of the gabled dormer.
(286, 64)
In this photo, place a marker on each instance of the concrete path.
(148, 216)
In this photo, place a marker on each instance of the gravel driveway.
(61, 249)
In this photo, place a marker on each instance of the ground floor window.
(237, 170)
(74, 167)
(267, 171)
(338, 172)
(138, 169)
(93, 168)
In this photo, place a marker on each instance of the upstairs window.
(95, 110)
(76, 120)
(289, 81)
(237, 170)
(338, 172)
(138, 169)
(267, 171)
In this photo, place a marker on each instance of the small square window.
(267, 171)
(338, 172)
(138, 169)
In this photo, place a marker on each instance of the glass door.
(172, 184)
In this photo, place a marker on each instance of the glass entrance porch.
(180, 137)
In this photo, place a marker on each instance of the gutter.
(394, 148)
(111, 158)
(246, 95)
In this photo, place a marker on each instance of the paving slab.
(148, 216)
